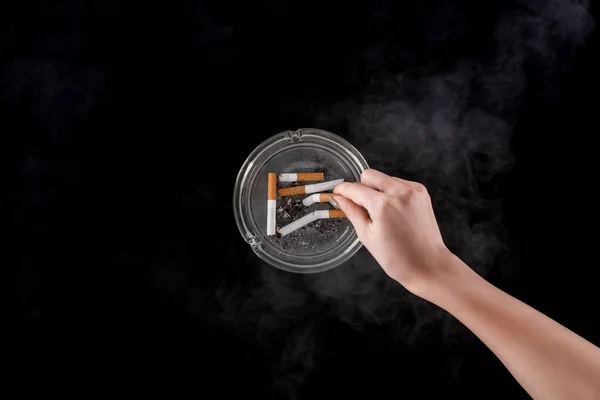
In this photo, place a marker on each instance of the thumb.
(358, 216)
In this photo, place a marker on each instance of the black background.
(123, 127)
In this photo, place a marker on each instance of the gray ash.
(290, 209)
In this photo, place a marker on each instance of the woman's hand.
(394, 219)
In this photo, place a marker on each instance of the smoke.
(434, 136)
(451, 131)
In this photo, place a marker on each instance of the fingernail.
(334, 203)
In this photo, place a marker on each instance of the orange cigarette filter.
(292, 191)
(272, 187)
(336, 214)
(310, 176)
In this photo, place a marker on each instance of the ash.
(308, 237)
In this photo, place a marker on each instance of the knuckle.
(423, 192)
(410, 194)
(420, 188)
(416, 195)
(365, 174)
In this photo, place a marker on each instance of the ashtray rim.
(308, 135)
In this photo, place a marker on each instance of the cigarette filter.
(317, 198)
(310, 217)
(271, 203)
(302, 177)
(314, 188)
(336, 214)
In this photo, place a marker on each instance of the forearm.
(548, 360)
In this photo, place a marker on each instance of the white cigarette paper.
(307, 219)
(288, 177)
(271, 217)
(312, 199)
(322, 187)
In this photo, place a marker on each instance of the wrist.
(449, 277)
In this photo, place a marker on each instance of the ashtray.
(320, 245)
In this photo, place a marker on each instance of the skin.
(395, 221)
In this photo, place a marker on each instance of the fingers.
(384, 183)
(415, 185)
(387, 184)
(376, 179)
(357, 192)
(358, 216)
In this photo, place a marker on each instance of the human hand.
(394, 219)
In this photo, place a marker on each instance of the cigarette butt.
(271, 203)
(314, 188)
(301, 177)
(308, 218)
(316, 198)
(336, 214)
(297, 224)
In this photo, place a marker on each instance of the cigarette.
(302, 177)
(314, 188)
(311, 217)
(316, 198)
(271, 200)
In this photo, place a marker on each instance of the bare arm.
(547, 359)
(395, 221)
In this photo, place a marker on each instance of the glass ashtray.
(320, 245)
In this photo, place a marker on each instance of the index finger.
(385, 183)
(357, 192)
(382, 182)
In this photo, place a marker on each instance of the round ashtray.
(320, 245)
